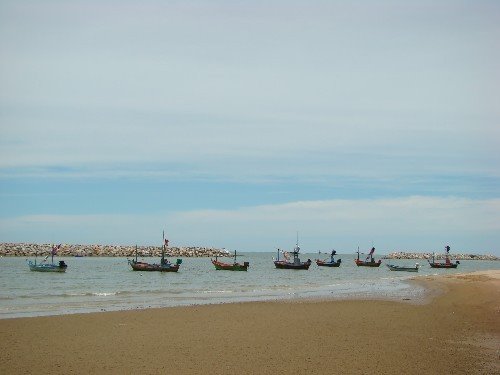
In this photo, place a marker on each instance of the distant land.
(30, 249)
(417, 255)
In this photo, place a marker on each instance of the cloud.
(324, 147)
(409, 223)
(226, 88)
(320, 93)
(406, 222)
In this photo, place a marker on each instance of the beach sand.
(456, 331)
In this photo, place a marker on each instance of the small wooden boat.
(446, 264)
(393, 267)
(324, 263)
(48, 267)
(295, 264)
(329, 263)
(369, 261)
(235, 266)
(164, 266)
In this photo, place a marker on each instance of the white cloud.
(248, 91)
(403, 98)
(392, 223)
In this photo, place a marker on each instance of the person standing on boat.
(163, 259)
(447, 260)
(370, 255)
(332, 256)
(55, 249)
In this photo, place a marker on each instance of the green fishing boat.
(235, 266)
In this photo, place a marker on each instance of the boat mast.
(163, 250)
(296, 250)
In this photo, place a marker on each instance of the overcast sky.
(238, 123)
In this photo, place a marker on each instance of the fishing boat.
(164, 266)
(331, 262)
(446, 264)
(235, 266)
(394, 267)
(369, 261)
(48, 267)
(295, 264)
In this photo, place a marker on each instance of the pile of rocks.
(28, 250)
(413, 255)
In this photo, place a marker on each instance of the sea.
(94, 284)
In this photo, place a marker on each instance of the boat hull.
(399, 268)
(148, 267)
(291, 266)
(361, 263)
(47, 268)
(443, 265)
(322, 263)
(61, 267)
(230, 267)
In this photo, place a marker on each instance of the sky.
(240, 124)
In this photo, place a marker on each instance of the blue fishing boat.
(394, 267)
(43, 266)
(331, 262)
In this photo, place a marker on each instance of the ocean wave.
(85, 294)
(215, 291)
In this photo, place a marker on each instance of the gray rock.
(28, 250)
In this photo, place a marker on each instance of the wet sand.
(456, 331)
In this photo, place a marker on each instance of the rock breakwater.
(29, 250)
(416, 255)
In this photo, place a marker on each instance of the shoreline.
(197, 284)
(458, 326)
(387, 290)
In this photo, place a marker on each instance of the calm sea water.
(104, 284)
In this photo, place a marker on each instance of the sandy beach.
(455, 331)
